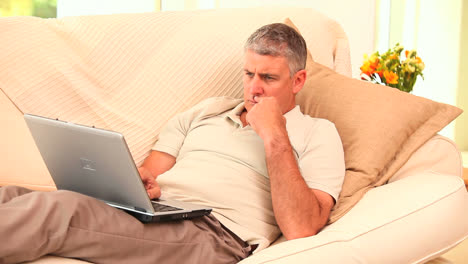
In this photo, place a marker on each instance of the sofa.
(403, 198)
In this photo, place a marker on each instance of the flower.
(370, 65)
(389, 69)
(390, 77)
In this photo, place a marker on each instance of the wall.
(438, 43)
(102, 7)
(461, 126)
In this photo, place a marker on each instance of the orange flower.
(391, 77)
(370, 66)
(367, 69)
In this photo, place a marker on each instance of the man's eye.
(249, 74)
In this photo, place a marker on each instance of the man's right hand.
(154, 165)
(151, 186)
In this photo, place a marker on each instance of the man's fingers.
(154, 192)
(151, 186)
(145, 175)
(258, 99)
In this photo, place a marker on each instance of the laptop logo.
(87, 164)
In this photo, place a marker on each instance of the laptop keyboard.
(164, 208)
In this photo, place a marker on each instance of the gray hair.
(277, 40)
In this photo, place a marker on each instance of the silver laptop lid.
(90, 161)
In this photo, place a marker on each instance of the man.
(263, 167)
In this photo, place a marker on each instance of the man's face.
(268, 76)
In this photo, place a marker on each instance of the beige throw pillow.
(380, 127)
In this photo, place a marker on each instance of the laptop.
(98, 163)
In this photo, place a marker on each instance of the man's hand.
(151, 186)
(266, 118)
(155, 164)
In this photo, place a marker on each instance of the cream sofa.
(131, 73)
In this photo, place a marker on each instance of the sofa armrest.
(411, 220)
(21, 162)
(438, 154)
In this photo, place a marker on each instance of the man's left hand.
(266, 118)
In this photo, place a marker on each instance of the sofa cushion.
(380, 127)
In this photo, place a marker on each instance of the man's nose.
(256, 85)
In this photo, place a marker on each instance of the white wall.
(102, 7)
(174, 5)
(438, 44)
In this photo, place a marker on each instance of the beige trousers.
(68, 224)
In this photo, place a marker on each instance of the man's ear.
(299, 80)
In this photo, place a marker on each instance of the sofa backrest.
(132, 72)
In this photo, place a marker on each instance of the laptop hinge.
(140, 209)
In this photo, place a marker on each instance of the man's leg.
(9, 192)
(73, 225)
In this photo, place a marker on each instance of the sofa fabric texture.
(132, 72)
(112, 71)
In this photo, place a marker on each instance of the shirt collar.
(293, 113)
(235, 113)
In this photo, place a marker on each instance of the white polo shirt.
(221, 164)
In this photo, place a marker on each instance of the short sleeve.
(172, 136)
(322, 161)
